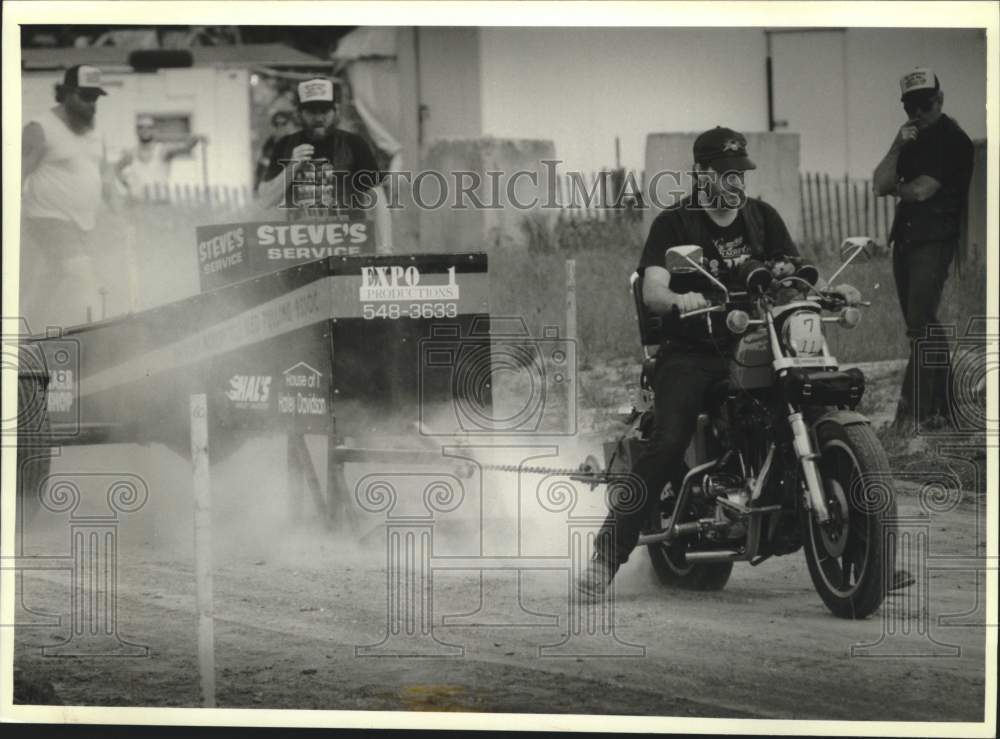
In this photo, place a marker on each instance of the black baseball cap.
(83, 77)
(724, 149)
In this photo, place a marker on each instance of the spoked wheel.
(848, 561)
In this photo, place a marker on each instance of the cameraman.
(928, 167)
(731, 228)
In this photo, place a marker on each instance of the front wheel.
(847, 557)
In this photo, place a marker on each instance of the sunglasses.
(317, 108)
(912, 107)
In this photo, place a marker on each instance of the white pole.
(203, 547)
(571, 299)
(571, 385)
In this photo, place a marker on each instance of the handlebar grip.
(699, 311)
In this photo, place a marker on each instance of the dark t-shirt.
(942, 151)
(723, 248)
(343, 163)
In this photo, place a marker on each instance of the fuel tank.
(750, 367)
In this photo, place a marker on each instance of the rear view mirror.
(679, 259)
(854, 245)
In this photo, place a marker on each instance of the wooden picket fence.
(832, 208)
(594, 196)
(835, 208)
(221, 197)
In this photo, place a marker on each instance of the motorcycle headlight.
(802, 334)
(849, 317)
(737, 321)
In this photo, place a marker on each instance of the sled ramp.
(337, 346)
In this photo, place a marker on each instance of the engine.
(720, 501)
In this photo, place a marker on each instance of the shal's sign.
(233, 252)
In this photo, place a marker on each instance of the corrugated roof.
(269, 55)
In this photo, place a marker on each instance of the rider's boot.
(594, 582)
(901, 579)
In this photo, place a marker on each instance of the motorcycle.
(780, 460)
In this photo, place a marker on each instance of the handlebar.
(828, 300)
(717, 308)
(834, 300)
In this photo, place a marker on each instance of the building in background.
(583, 87)
(602, 94)
(226, 94)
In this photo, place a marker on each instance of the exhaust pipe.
(679, 531)
(720, 555)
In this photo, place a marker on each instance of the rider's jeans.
(681, 379)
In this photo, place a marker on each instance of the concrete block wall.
(453, 228)
(776, 178)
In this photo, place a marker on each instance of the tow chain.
(587, 472)
(582, 469)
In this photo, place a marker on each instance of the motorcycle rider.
(731, 228)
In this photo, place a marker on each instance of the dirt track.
(290, 611)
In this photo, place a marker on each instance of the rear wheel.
(673, 569)
(847, 557)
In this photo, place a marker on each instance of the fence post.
(203, 547)
(856, 220)
(875, 219)
(812, 211)
(829, 208)
(805, 219)
(814, 206)
(867, 195)
(840, 218)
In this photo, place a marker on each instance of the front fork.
(815, 498)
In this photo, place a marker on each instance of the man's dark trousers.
(920, 269)
(682, 376)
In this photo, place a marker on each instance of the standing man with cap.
(731, 228)
(323, 168)
(63, 176)
(928, 168)
(147, 165)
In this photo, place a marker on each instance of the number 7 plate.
(804, 333)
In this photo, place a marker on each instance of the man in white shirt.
(145, 169)
(63, 184)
